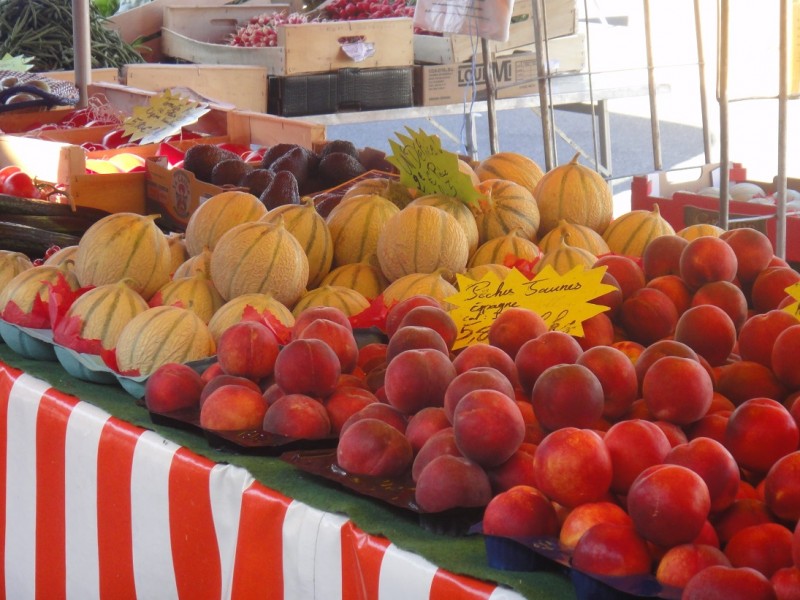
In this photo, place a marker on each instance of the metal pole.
(543, 72)
(655, 129)
(783, 92)
(82, 49)
(722, 78)
(701, 71)
(488, 69)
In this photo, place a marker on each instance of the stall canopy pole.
(82, 49)
(701, 69)
(722, 78)
(491, 91)
(655, 129)
(783, 93)
(543, 74)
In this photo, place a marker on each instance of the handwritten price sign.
(794, 307)
(425, 166)
(563, 301)
(164, 115)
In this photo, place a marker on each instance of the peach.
(474, 379)
(415, 337)
(372, 355)
(769, 287)
(232, 408)
(759, 432)
(585, 516)
(662, 256)
(617, 376)
(633, 350)
(758, 334)
(792, 402)
(307, 366)
(627, 272)
(537, 355)
(338, 337)
(515, 326)
(433, 317)
(314, 313)
(211, 371)
(272, 393)
(709, 331)
(425, 423)
(784, 357)
(612, 550)
(248, 349)
(678, 390)
(648, 315)
(634, 445)
(660, 349)
(397, 311)
(742, 380)
(418, 378)
(675, 433)
(786, 583)
(297, 416)
(567, 395)
(484, 355)
(753, 251)
(796, 544)
(598, 330)
(726, 296)
(452, 482)
(612, 298)
(782, 487)
(376, 378)
(380, 411)
(714, 463)
(720, 581)
(488, 427)
(765, 547)
(173, 386)
(706, 259)
(669, 504)
(220, 380)
(517, 470)
(743, 512)
(439, 442)
(519, 512)
(682, 562)
(373, 447)
(675, 289)
(344, 402)
(573, 466)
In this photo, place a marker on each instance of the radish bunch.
(353, 10)
(262, 30)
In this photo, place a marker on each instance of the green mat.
(463, 555)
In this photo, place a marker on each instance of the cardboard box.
(681, 205)
(345, 90)
(198, 35)
(561, 18)
(242, 86)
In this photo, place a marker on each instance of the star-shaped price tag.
(794, 307)
(164, 115)
(19, 64)
(563, 301)
(424, 165)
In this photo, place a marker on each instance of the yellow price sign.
(563, 301)
(164, 115)
(794, 307)
(424, 165)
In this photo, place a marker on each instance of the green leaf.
(19, 64)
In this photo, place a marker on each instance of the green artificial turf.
(458, 554)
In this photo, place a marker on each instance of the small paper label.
(18, 64)
(794, 307)
(424, 165)
(164, 116)
(563, 301)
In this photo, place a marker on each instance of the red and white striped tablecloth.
(94, 507)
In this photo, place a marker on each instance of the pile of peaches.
(664, 442)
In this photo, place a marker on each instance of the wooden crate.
(562, 20)
(241, 86)
(198, 35)
(106, 74)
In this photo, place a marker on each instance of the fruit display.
(663, 443)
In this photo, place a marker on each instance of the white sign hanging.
(488, 19)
